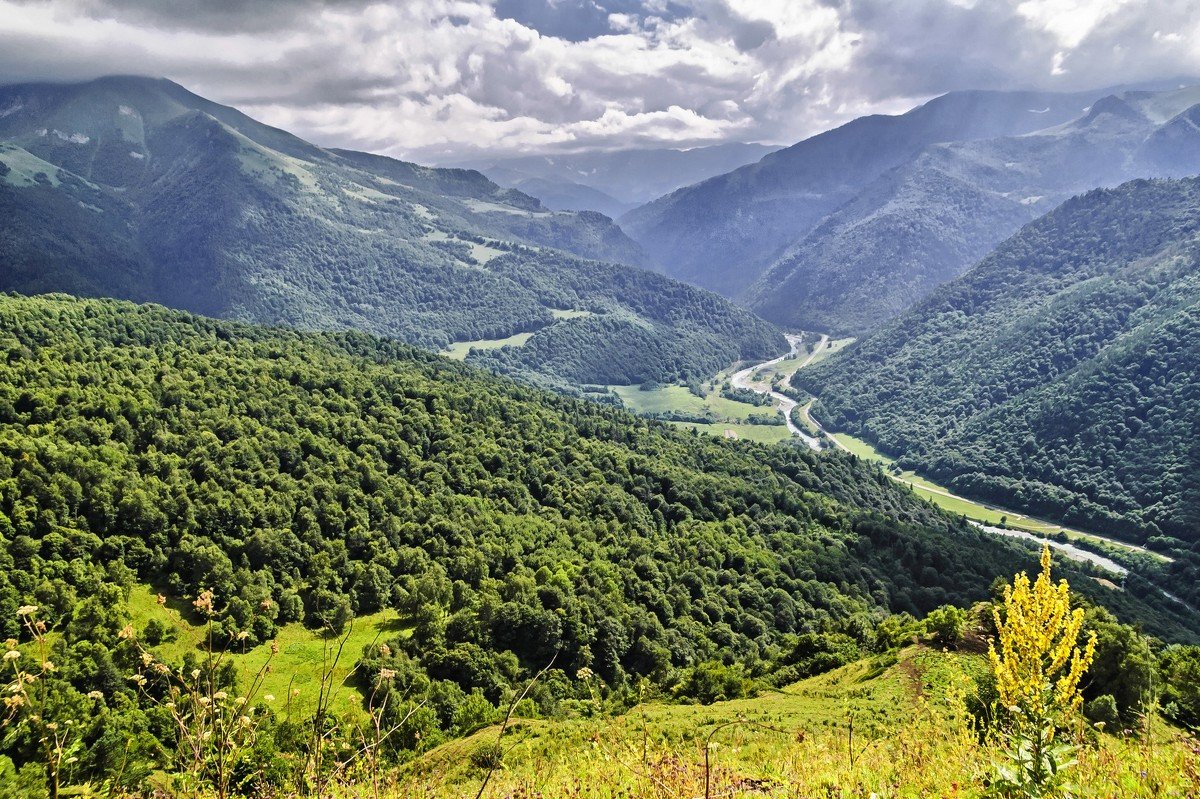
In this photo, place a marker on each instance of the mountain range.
(847, 229)
(136, 188)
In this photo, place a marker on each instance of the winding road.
(745, 379)
(785, 404)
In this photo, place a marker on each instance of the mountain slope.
(136, 188)
(1060, 376)
(925, 222)
(723, 233)
(567, 195)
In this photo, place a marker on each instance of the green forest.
(1058, 377)
(270, 476)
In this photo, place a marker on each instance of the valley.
(452, 420)
(758, 378)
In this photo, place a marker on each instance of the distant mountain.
(136, 188)
(565, 195)
(630, 177)
(725, 232)
(1060, 376)
(924, 222)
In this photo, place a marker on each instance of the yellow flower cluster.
(1039, 665)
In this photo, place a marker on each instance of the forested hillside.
(137, 189)
(1058, 376)
(260, 479)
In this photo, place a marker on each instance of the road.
(785, 404)
(745, 379)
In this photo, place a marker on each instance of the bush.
(946, 624)
(488, 756)
(1103, 710)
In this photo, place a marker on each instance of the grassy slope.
(882, 727)
(303, 653)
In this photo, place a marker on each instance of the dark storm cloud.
(420, 77)
(215, 15)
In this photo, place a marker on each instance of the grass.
(677, 398)
(731, 413)
(833, 346)
(889, 726)
(663, 399)
(302, 658)
(766, 433)
(461, 349)
(560, 313)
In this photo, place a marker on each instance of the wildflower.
(385, 650)
(274, 647)
(269, 697)
(243, 635)
(204, 700)
(244, 721)
(162, 600)
(195, 674)
(12, 654)
(27, 610)
(220, 696)
(1039, 666)
(584, 674)
(127, 632)
(386, 674)
(48, 667)
(204, 603)
(147, 658)
(265, 604)
(95, 695)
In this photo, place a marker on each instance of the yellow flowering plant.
(1038, 667)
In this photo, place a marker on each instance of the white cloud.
(420, 77)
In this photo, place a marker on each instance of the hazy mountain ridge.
(926, 221)
(725, 232)
(629, 177)
(137, 188)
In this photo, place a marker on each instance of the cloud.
(422, 78)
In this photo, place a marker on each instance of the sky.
(436, 79)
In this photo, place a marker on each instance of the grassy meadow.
(891, 726)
